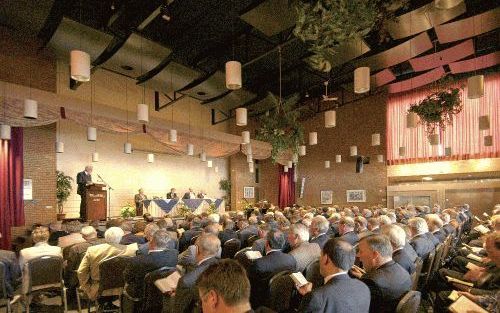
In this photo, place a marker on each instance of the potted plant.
(225, 185)
(182, 210)
(127, 211)
(62, 192)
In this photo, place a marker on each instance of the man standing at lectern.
(83, 179)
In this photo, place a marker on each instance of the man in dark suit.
(387, 280)
(247, 230)
(397, 237)
(193, 231)
(340, 293)
(318, 230)
(189, 195)
(172, 194)
(83, 179)
(139, 202)
(346, 229)
(186, 294)
(12, 270)
(419, 241)
(263, 269)
(435, 225)
(228, 233)
(139, 266)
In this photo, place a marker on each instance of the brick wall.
(40, 166)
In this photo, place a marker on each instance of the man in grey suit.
(419, 241)
(83, 179)
(247, 229)
(303, 251)
(340, 293)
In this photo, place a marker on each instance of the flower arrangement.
(127, 211)
(182, 210)
(212, 209)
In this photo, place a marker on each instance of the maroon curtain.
(11, 185)
(286, 192)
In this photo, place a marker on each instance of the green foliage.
(182, 210)
(281, 127)
(438, 108)
(127, 211)
(212, 209)
(225, 185)
(63, 189)
(327, 24)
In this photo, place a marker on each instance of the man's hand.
(356, 272)
(474, 275)
(171, 293)
(461, 287)
(305, 289)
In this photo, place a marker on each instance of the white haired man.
(397, 237)
(419, 241)
(318, 230)
(303, 251)
(435, 225)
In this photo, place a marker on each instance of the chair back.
(45, 271)
(409, 303)
(313, 275)
(230, 248)
(241, 257)
(446, 249)
(3, 282)
(251, 240)
(153, 298)
(111, 273)
(437, 258)
(281, 291)
(427, 267)
(416, 275)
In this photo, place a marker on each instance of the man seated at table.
(190, 194)
(201, 195)
(172, 194)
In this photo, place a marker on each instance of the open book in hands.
(465, 305)
(253, 255)
(168, 283)
(298, 279)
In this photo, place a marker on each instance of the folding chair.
(409, 303)
(230, 248)
(281, 291)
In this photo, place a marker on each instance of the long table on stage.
(160, 207)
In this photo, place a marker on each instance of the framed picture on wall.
(326, 197)
(248, 192)
(356, 195)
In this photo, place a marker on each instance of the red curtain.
(463, 136)
(11, 185)
(286, 194)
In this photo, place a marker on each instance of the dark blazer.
(246, 233)
(320, 240)
(341, 294)
(410, 252)
(12, 270)
(259, 245)
(351, 237)
(82, 179)
(140, 265)
(131, 238)
(186, 294)
(449, 229)
(185, 240)
(333, 231)
(432, 238)
(400, 257)
(422, 245)
(172, 196)
(440, 235)
(263, 269)
(226, 235)
(388, 284)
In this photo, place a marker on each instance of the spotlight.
(165, 14)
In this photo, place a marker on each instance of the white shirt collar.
(204, 260)
(329, 277)
(272, 250)
(317, 236)
(156, 250)
(42, 243)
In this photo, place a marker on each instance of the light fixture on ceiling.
(447, 151)
(475, 84)
(302, 150)
(484, 122)
(5, 132)
(151, 157)
(338, 158)
(59, 147)
(127, 146)
(91, 133)
(362, 79)
(353, 150)
(411, 120)
(427, 178)
(249, 158)
(190, 149)
(313, 138)
(95, 157)
(488, 141)
(216, 169)
(142, 108)
(326, 97)
(241, 116)
(165, 13)
(380, 158)
(295, 158)
(434, 139)
(209, 163)
(172, 135)
(30, 105)
(446, 4)
(203, 156)
(376, 139)
(59, 143)
(245, 137)
(289, 164)
(233, 75)
(402, 151)
(251, 167)
(285, 169)
(80, 65)
(330, 118)
(327, 164)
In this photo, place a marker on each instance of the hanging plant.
(281, 127)
(438, 108)
(327, 24)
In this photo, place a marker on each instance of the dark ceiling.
(204, 34)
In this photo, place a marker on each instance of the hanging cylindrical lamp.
(327, 164)
(209, 163)
(127, 148)
(285, 169)
(402, 151)
(447, 151)
(5, 132)
(251, 167)
(91, 134)
(362, 79)
(446, 4)
(190, 149)
(216, 169)
(95, 157)
(151, 157)
(380, 158)
(302, 150)
(142, 112)
(488, 141)
(249, 158)
(434, 139)
(249, 149)
(295, 158)
(203, 157)
(59, 147)
(338, 158)
(172, 135)
(30, 109)
(313, 138)
(353, 151)
(233, 75)
(80, 65)
(375, 139)
(245, 137)
(475, 87)
(411, 120)
(484, 122)
(330, 119)
(289, 164)
(241, 116)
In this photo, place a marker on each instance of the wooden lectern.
(96, 197)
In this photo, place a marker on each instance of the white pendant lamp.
(30, 109)
(302, 150)
(245, 137)
(91, 134)
(5, 132)
(285, 169)
(411, 120)
(402, 151)
(216, 169)
(313, 138)
(447, 151)
(330, 119)
(380, 158)
(289, 164)
(484, 122)
(251, 167)
(190, 149)
(446, 4)
(142, 113)
(241, 116)
(295, 158)
(353, 151)
(375, 139)
(488, 141)
(95, 157)
(209, 163)
(80, 65)
(338, 158)
(203, 156)
(59, 147)
(475, 87)
(327, 164)
(362, 79)
(434, 139)
(172, 135)
(249, 158)
(233, 75)
(151, 157)
(249, 149)
(127, 148)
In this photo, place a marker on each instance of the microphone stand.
(109, 195)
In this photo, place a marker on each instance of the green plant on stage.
(212, 209)
(182, 210)
(63, 190)
(127, 211)
(225, 185)
(327, 24)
